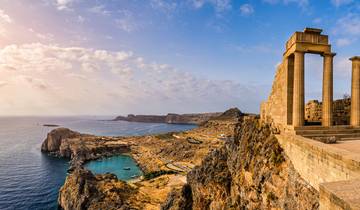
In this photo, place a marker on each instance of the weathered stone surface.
(252, 172)
(83, 190)
(285, 105)
(55, 137)
(341, 112)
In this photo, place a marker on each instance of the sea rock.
(55, 137)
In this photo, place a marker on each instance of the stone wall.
(341, 111)
(274, 109)
(319, 163)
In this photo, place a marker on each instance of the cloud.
(5, 20)
(167, 6)
(246, 9)
(219, 5)
(4, 17)
(63, 4)
(50, 79)
(348, 25)
(100, 10)
(339, 3)
(127, 21)
(300, 3)
(341, 42)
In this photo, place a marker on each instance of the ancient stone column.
(298, 94)
(327, 94)
(355, 92)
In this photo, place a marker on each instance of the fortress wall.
(274, 109)
(317, 162)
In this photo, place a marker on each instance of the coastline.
(153, 160)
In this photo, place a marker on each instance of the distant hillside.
(170, 118)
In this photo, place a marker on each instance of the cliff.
(54, 139)
(251, 172)
(83, 190)
(170, 118)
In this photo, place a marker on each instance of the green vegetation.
(277, 156)
(154, 174)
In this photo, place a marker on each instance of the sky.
(109, 57)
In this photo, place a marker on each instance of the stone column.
(298, 94)
(355, 92)
(327, 94)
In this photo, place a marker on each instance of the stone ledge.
(340, 195)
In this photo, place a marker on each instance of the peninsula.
(170, 118)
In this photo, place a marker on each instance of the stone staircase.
(343, 132)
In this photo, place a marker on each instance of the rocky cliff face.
(63, 142)
(83, 190)
(55, 137)
(251, 172)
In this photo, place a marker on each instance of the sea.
(30, 179)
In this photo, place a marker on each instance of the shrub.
(154, 174)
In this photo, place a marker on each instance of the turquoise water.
(116, 165)
(30, 179)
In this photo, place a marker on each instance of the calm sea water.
(30, 179)
(123, 166)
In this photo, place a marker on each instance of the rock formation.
(170, 118)
(55, 137)
(252, 172)
(83, 190)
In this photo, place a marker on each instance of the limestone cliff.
(55, 137)
(83, 190)
(251, 172)
(63, 142)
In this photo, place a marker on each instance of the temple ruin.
(285, 106)
(321, 139)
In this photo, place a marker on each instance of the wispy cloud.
(339, 3)
(40, 71)
(219, 5)
(341, 42)
(167, 6)
(4, 17)
(347, 28)
(300, 3)
(348, 25)
(63, 4)
(100, 10)
(126, 21)
(5, 20)
(246, 9)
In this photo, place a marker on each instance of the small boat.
(126, 168)
(134, 176)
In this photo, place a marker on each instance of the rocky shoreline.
(165, 166)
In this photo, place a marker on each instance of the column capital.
(330, 54)
(355, 58)
(299, 51)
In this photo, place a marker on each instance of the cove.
(123, 166)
